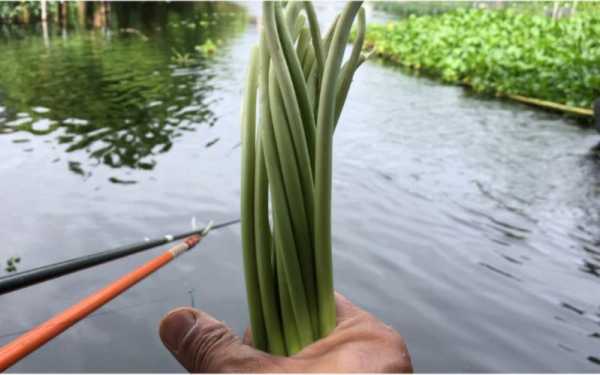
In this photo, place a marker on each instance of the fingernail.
(175, 327)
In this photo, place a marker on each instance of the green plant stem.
(315, 33)
(247, 206)
(297, 78)
(309, 62)
(283, 232)
(295, 125)
(299, 214)
(329, 36)
(290, 332)
(313, 77)
(325, 126)
(284, 239)
(266, 276)
(303, 45)
(350, 66)
(297, 27)
(313, 88)
(304, 134)
(292, 10)
(302, 87)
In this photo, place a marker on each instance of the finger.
(344, 308)
(203, 344)
(247, 340)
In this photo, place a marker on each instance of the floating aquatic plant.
(297, 77)
(183, 59)
(501, 51)
(207, 48)
(11, 264)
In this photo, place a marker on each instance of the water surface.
(469, 225)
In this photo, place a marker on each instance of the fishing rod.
(37, 275)
(17, 349)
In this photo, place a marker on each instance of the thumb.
(203, 344)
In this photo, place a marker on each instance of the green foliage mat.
(500, 51)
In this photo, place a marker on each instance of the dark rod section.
(23, 279)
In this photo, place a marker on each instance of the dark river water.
(472, 226)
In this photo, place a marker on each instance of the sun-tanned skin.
(359, 343)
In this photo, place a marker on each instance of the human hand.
(359, 343)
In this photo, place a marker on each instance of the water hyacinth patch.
(501, 52)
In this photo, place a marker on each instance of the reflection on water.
(591, 206)
(121, 101)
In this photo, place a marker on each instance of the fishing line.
(37, 275)
(107, 311)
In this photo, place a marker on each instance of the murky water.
(470, 225)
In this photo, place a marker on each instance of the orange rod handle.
(38, 336)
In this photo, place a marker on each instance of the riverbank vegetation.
(500, 52)
(555, 9)
(418, 8)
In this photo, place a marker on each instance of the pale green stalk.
(308, 63)
(315, 33)
(297, 27)
(266, 276)
(299, 214)
(284, 236)
(350, 66)
(247, 206)
(287, 160)
(290, 332)
(329, 36)
(303, 44)
(292, 10)
(325, 126)
(313, 77)
(303, 135)
(313, 88)
(291, 62)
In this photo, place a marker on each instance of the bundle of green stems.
(298, 83)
